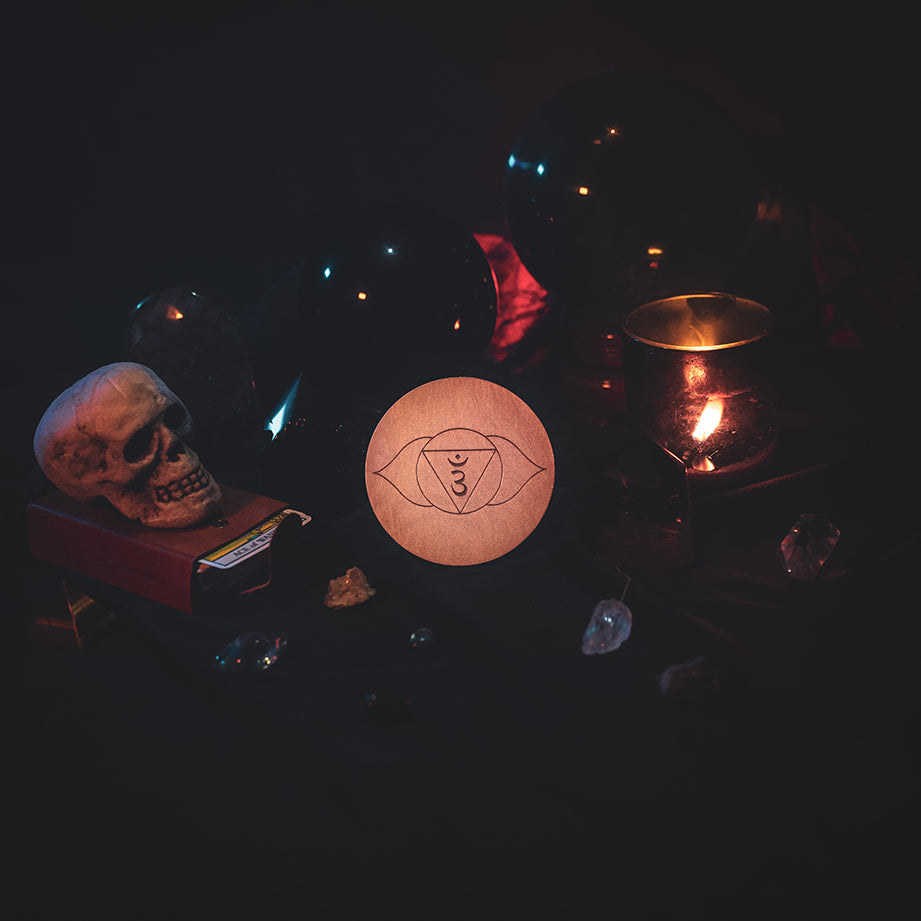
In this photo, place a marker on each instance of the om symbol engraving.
(459, 476)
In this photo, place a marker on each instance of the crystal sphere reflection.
(192, 340)
(627, 173)
(317, 460)
(391, 297)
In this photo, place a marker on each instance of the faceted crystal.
(251, 652)
(423, 638)
(808, 545)
(608, 628)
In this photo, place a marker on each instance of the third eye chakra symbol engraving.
(459, 471)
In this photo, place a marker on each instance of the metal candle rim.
(697, 348)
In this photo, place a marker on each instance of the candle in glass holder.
(699, 380)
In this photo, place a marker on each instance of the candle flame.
(709, 419)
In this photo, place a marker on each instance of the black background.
(202, 139)
(166, 143)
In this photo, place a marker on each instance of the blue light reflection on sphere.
(391, 297)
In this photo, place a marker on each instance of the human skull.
(117, 433)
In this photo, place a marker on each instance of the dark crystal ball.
(392, 297)
(623, 170)
(193, 342)
(316, 459)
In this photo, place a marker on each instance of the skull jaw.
(193, 509)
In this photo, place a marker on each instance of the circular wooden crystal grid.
(459, 471)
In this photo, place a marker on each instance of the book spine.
(116, 559)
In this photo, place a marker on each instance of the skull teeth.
(183, 487)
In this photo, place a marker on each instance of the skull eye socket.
(138, 444)
(175, 417)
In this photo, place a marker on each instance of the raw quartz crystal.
(608, 629)
(251, 652)
(807, 546)
(348, 590)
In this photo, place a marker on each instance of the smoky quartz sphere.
(622, 164)
(392, 296)
(194, 341)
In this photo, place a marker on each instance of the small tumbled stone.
(251, 652)
(608, 629)
(348, 590)
(423, 638)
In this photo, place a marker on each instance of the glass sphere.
(392, 297)
(629, 178)
(316, 458)
(192, 341)
(423, 638)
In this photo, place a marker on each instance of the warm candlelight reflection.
(695, 373)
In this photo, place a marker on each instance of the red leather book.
(173, 567)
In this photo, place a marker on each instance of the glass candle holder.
(699, 380)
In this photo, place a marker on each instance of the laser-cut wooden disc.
(459, 471)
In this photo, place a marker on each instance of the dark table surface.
(530, 780)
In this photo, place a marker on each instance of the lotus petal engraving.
(518, 469)
(400, 472)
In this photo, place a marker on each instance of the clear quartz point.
(807, 546)
(251, 652)
(608, 628)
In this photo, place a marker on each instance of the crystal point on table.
(251, 652)
(807, 545)
(608, 629)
